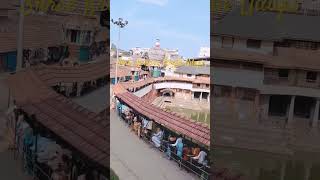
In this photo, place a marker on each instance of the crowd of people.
(188, 154)
(42, 156)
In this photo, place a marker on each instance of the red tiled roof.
(189, 128)
(82, 129)
(52, 75)
(119, 88)
(26, 87)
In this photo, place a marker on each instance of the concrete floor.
(95, 101)
(133, 159)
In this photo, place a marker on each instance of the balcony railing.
(276, 80)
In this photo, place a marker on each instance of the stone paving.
(95, 101)
(133, 159)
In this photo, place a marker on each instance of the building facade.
(268, 81)
(51, 36)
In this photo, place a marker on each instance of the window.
(207, 85)
(227, 42)
(189, 75)
(311, 76)
(283, 73)
(255, 44)
(74, 35)
(198, 85)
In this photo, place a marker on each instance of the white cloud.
(155, 2)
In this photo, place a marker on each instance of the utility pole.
(121, 24)
(20, 37)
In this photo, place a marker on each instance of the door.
(3, 63)
(11, 61)
(84, 54)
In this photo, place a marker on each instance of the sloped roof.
(54, 74)
(82, 129)
(189, 128)
(201, 133)
(26, 87)
(193, 70)
(266, 26)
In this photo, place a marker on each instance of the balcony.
(274, 80)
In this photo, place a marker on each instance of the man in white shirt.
(201, 157)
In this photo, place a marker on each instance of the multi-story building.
(266, 84)
(51, 35)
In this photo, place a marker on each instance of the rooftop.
(266, 26)
(196, 70)
(82, 129)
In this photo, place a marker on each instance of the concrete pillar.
(256, 106)
(234, 103)
(208, 98)
(283, 170)
(266, 106)
(192, 95)
(200, 96)
(316, 115)
(307, 172)
(291, 110)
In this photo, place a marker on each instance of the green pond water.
(266, 166)
(199, 116)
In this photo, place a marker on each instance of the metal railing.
(201, 170)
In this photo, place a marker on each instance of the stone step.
(244, 133)
(248, 126)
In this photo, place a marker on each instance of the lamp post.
(121, 24)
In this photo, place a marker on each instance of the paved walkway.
(133, 159)
(95, 101)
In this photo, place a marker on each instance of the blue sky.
(182, 24)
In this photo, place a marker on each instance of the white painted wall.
(175, 85)
(186, 76)
(241, 44)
